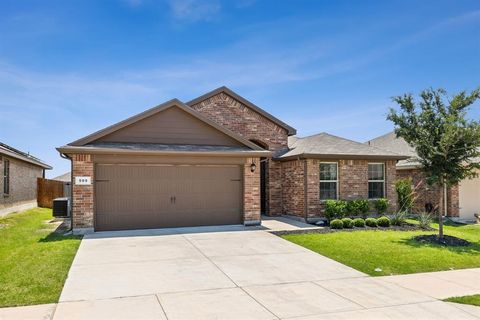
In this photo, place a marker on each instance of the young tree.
(446, 142)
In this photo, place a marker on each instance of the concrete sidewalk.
(442, 284)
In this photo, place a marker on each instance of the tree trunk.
(445, 211)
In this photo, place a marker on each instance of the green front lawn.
(393, 251)
(34, 261)
(473, 300)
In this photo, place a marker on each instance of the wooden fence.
(47, 190)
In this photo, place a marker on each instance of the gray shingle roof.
(329, 146)
(66, 177)
(390, 142)
(163, 147)
(15, 153)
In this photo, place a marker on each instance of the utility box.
(61, 207)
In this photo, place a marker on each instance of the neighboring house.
(217, 159)
(463, 200)
(18, 183)
(66, 178)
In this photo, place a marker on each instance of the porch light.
(253, 167)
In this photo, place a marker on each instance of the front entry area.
(140, 196)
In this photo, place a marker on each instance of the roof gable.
(169, 123)
(227, 91)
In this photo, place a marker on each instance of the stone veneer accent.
(432, 194)
(82, 196)
(239, 118)
(251, 193)
(352, 184)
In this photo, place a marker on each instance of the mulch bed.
(404, 227)
(445, 240)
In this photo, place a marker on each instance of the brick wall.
(293, 188)
(23, 184)
(251, 192)
(82, 195)
(352, 184)
(430, 194)
(237, 117)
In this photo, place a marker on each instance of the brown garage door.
(159, 196)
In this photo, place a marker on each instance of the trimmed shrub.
(405, 194)
(371, 222)
(398, 218)
(383, 222)
(380, 205)
(336, 224)
(335, 209)
(363, 207)
(347, 223)
(359, 223)
(358, 207)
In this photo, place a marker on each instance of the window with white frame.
(328, 180)
(6, 177)
(376, 180)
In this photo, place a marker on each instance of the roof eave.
(341, 157)
(25, 159)
(91, 150)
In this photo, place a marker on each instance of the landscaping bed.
(325, 230)
(34, 258)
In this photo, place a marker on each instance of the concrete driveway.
(227, 273)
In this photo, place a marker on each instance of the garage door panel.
(140, 196)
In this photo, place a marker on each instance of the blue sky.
(68, 68)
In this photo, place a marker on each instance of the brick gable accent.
(239, 118)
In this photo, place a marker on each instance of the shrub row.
(348, 223)
(338, 209)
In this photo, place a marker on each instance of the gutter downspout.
(64, 156)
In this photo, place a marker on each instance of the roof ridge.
(381, 136)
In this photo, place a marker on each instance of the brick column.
(390, 178)
(82, 195)
(251, 193)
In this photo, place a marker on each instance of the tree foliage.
(446, 142)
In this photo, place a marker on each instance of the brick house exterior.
(430, 194)
(19, 171)
(301, 185)
(273, 174)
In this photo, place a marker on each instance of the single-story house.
(218, 159)
(463, 200)
(18, 183)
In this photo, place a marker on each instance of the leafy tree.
(446, 141)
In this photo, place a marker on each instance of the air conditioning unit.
(61, 207)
